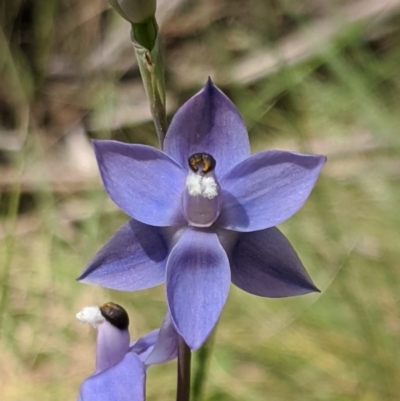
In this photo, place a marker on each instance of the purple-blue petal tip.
(264, 263)
(209, 84)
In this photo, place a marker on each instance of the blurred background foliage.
(318, 76)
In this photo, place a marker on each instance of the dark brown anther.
(115, 314)
(202, 160)
(194, 160)
(208, 163)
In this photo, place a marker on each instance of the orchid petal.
(266, 189)
(158, 346)
(143, 181)
(264, 263)
(208, 123)
(133, 259)
(197, 284)
(166, 346)
(123, 382)
(144, 346)
(112, 345)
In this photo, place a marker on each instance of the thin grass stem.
(203, 356)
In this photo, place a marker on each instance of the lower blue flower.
(120, 366)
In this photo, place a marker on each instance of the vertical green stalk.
(184, 359)
(203, 356)
(19, 88)
(147, 45)
(12, 215)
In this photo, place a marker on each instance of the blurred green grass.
(340, 345)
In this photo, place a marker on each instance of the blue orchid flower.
(120, 365)
(203, 214)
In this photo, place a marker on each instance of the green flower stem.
(146, 41)
(203, 356)
(184, 359)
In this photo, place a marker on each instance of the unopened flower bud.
(134, 11)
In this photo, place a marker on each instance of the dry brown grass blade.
(308, 42)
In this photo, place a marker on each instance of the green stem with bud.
(147, 45)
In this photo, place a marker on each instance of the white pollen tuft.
(209, 187)
(91, 315)
(193, 184)
(201, 186)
